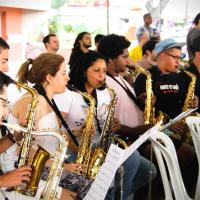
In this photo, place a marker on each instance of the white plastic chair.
(165, 150)
(193, 123)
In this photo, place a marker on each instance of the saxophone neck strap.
(54, 107)
(128, 91)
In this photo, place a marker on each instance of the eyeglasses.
(5, 100)
(178, 58)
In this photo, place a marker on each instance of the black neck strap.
(128, 92)
(54, 107)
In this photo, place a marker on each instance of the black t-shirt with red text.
(170, 90)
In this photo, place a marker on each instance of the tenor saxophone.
(50, 189)
(84, 152)
(98, 157)
(40, 157)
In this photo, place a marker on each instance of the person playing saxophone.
(170, 87)
(88, 76)
(48, 74)
(195, 62)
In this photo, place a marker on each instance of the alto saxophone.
(149, 110)
(187, 103)
(50, 189)
(150, 118)
(98, 157)
(84, 152)
(40, 157)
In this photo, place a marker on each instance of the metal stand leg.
(150, 172)
(119, 183)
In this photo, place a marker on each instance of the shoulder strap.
(54, 107)
(129, 93)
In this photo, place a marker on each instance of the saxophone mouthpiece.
(72, 88)
(103, 84)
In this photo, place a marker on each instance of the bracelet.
(11, 137)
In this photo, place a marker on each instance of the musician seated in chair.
(170, 87)
(48, 71)
(18, 176)
(88, 76)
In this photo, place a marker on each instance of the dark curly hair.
(111, 46)
(77, 74)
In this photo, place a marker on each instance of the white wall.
(27, 4)
(32, 18)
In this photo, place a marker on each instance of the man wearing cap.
(170, 87)
(167, 81)
(195, 64)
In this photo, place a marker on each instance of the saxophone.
(40, 157)
(187, 103)
(150, 118)
(50, 189)
(98, 157)
(84, 152)
(149, 110)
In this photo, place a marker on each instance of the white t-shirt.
(126, 111)
(73, 104)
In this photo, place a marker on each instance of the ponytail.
(22, 74)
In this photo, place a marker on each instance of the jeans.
(136, 174)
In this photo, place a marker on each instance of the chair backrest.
(193, 123)
(165, 151)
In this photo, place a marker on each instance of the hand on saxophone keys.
(179, 128)
(116, 125)
(195, 102)
(16, 177)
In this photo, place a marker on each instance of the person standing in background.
(97, 39)
(148, 28)
(81, 46)
(51, 43)
(136, 52)
(148, 55)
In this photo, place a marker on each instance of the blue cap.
(167, 44)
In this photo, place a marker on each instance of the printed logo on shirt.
(169, 88)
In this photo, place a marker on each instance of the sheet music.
(115, 157)
(106, 174)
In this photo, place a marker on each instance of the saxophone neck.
(191, 90)
(84, 94)
(29, 89)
